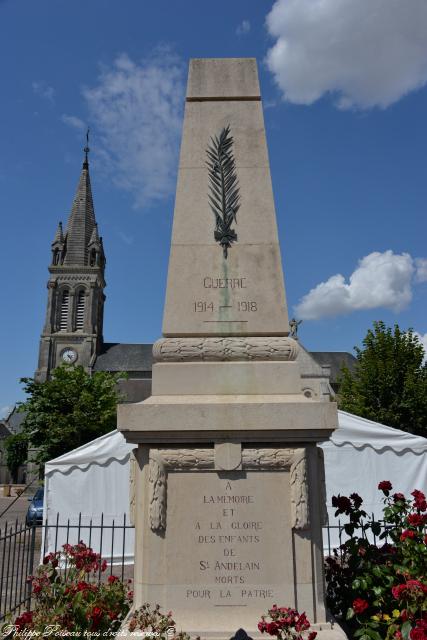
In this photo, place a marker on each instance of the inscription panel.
(228, 541)
(209, 295)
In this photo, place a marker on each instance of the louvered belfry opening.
(80, 310)
(65, 305)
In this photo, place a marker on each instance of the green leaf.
(406, 629)
(350, 613)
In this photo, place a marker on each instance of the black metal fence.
(22, 547)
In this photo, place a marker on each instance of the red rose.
(385, 485)
(262, 626)
(357, 500)
(112, 579)
(24, 619)
(398, 496)
(342, 504)
(416, 519)
(397, 591)
(312, 635)
(359, 605)
(419, 500)
(272, 628)
(417, 633)
(407, 534)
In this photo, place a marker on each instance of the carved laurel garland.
(224, 349)
(132, 486)
(323, 508)
(162, 460)
(299, 490)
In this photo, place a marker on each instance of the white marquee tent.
(94, 480)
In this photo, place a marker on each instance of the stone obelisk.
(228, 483)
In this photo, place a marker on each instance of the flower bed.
(74, 600)
(381, 591)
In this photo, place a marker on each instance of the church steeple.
(81, 222)
(74, 318)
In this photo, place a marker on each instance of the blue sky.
(345, 98)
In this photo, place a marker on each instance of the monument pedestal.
(228, 491)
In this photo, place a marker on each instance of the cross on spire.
(86, 150)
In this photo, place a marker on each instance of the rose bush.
(380, 592)
(68, 596)
(286, 624)
(154, 621)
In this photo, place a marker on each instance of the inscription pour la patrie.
(241, 304)
(231, 535)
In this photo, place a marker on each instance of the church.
(73, 329)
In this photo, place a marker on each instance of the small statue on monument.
(293, 325)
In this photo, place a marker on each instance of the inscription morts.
(234, 538)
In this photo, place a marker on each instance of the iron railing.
(22, 548)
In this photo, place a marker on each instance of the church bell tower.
(73, 328)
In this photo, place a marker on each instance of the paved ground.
(16, 512)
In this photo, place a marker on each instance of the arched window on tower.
(56, 255)
(65, 306)
(80, 310)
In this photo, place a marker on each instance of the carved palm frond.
(224, 196)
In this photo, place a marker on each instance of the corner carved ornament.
(163, 460)
(225, 349)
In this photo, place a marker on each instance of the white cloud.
(243, 28)
(5, 411)
(73, 121)
(126, 238)
(137, 111)
(421, 269)
(423, 340)
(367, 52)
(44, 90)
(380, 280)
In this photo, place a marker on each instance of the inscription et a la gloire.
(234, 532)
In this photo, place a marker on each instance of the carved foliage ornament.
(225, 349)
(162, 460)
(223, 188)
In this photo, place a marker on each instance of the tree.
(16, 447)
(389, 383)
(68, 410)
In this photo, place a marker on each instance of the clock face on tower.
(69, 355)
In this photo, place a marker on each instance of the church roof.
(117, 357)
(336, 360)
(81, 222)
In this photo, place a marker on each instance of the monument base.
(325, 631)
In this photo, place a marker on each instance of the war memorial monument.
(228, 488)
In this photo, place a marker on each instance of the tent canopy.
(94, 479)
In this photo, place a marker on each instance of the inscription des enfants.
(229, 532)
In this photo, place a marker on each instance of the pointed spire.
(59, 236)
(94, 239)
(81, 222)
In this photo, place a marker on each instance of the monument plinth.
(228, 488)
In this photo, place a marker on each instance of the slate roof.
(81, 222)
(125, 357)
(335, 359)
(4, 431)
(138, 358)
